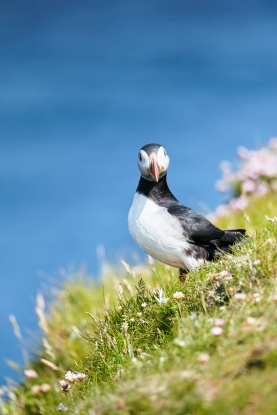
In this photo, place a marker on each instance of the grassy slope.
(143, 357)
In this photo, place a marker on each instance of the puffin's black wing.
(196, 227)
(203, 233)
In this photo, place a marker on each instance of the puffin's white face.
(153, 162)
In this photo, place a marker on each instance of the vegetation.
(141, 342)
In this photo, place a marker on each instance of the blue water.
(83, 85)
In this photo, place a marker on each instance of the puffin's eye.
(164, 153)
(140, 158)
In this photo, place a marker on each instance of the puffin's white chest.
(158, 233)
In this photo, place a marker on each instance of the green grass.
(145, 357)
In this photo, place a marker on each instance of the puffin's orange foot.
(183, 275)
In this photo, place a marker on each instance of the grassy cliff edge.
(148, 344)
(139, 342)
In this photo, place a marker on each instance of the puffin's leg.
(183, 274)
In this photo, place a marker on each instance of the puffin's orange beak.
(154, 169)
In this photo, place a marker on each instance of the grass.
(145, 352)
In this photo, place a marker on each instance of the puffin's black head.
(153, 162)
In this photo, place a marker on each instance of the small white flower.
(70, 376)
(143, 305)
(223, 275)
(219, 322)
(216, 331)
(139, 314)
(30, 373)
(80, 376)
(132, 319)
(161, 299)
(62, 407)
(178, 295)
(36, 389)
(240, 297)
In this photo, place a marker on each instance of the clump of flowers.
(72, 378)
(257, 175)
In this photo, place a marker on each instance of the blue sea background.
(83, 85)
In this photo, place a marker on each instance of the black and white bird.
(167, 230)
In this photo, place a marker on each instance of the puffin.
(166, 229)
